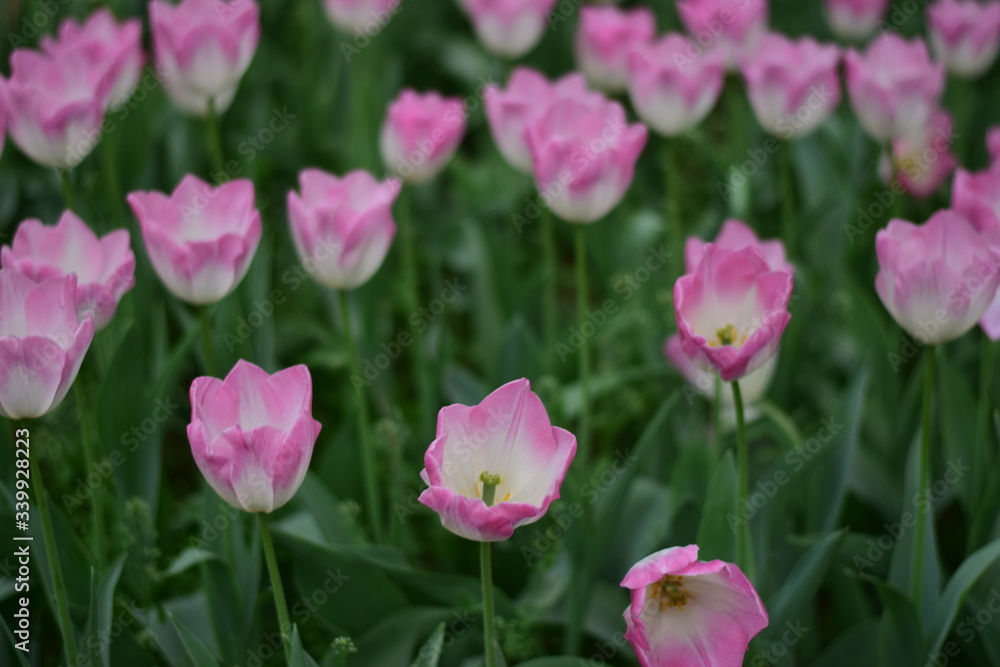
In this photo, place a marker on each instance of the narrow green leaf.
(197, 653)
(956, 591)
(430, 653)
(801, 584)
(718, 528)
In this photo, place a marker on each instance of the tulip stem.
(986, 365)
(97, 498)
(426, 387)
(489, 624)
(584, 359)
(67, 189)
(716, 417)
(279, 591)
(214, 138)
(744, 556)
(923, 478)
(675, 231)
(206, 340)
(551, 276)
(372, 498)
(111, 176)
(55, 566)
(788, 197)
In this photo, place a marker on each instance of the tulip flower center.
(490, 483)
(670, 592)
(727, 336)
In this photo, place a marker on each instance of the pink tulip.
(421, 133)
(342, 227)
(583, 158)
(736, 235)
(686, 612)
(731, 311)
(965, 35)
(508, 28)
(361, 16)
(853, 20)
(55, 106)
(793, 85)
(104, 268)
(993, 143)
(252, 434)
(42, 343)
(894, 86)
(202, 49)
(200, 239)
(670, 90)
(108, 47)
(936, 279)
(732, 26)
(604, 39)
(509, 436)
(526, 99)
(922, 161)
(976, 196)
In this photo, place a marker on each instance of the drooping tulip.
(670, 90)
(342, 227)
(923, 160)
(736, 235)
(202, 48)
(200, 239)
(965, 35)
(793, 86)
(733, 27)
(894, 86)
(42, 343)
(252, 434)
(732, 310)
(687, 612)
(421, 133)
(936, 279)
(853, 20)
(505, 446)
(508, 28)
(104, 267)
(360, 16)
(605, 37)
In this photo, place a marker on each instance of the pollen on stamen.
(670, 592)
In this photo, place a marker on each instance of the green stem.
(97, 497)
(923, 477)
(489, 626)
(716, 417)
(214, 138)
(66, 182)
(744, 555)
(584, 359)
(675, 229)
(279, 591)
(372, 498)
(551, 276)
(206, 340)
(111, 176)
(986, 370)
(359, 97)
(55, 567)
(787, 198)
(426, 387)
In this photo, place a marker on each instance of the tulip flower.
(670, 90)
(793, 86)
(604, 39)
(109, 48)
(526, 99)
(731, 26)
(936, 279)
(42, 343)
(508, 28)
(731, 311)
(894, 86)
(853, 20)
(55, 107)
(202, 48)
(506, 442)
(104, 267)
(200, 239)
(421, 133)
(923, 160)
(736, 235)
(688, 612)
(343, 226)
(976, 196)
(584, 158)
(993, 143)
(359, 16)
(965, 35)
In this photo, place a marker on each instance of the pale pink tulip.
(853, 20)
(508, 28)
(361, 17)
(965, 35)
(421, 133)
(976, 196)
(733, 27)
(736, 235)
(923, 160)
(604, 38)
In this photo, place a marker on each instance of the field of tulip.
(550, 333)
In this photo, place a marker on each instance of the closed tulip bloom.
(360, 15)
(505, 448)
(104, 267)
(200, 239)
(894, 86)
(976, 196)
(421, 133)
(108, 47)
(526, 99)
(252, 434)
(202, 49)
(55, 107)
(793, 86)
(733, 27)
(508, 28)
(342, 226)
(936, 279)
(686, 612)
(42, 343)
(584, 158)
(923, 160)
(853, 20)
(604, 39)
(731, 311)
(965, 35)
(736, 235)
(670, 90)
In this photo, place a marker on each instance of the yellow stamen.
(670, 592)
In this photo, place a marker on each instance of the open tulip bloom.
(736, 235)
(685, 612)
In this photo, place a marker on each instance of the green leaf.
(430, 653)
(105, 605)
(856, 646)
(958, 418)
(800, 586)
(717, 532)
(298, 654)
(899, 632)
(840, 463)
(197, 653)
(956, 591)
(189, 558)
